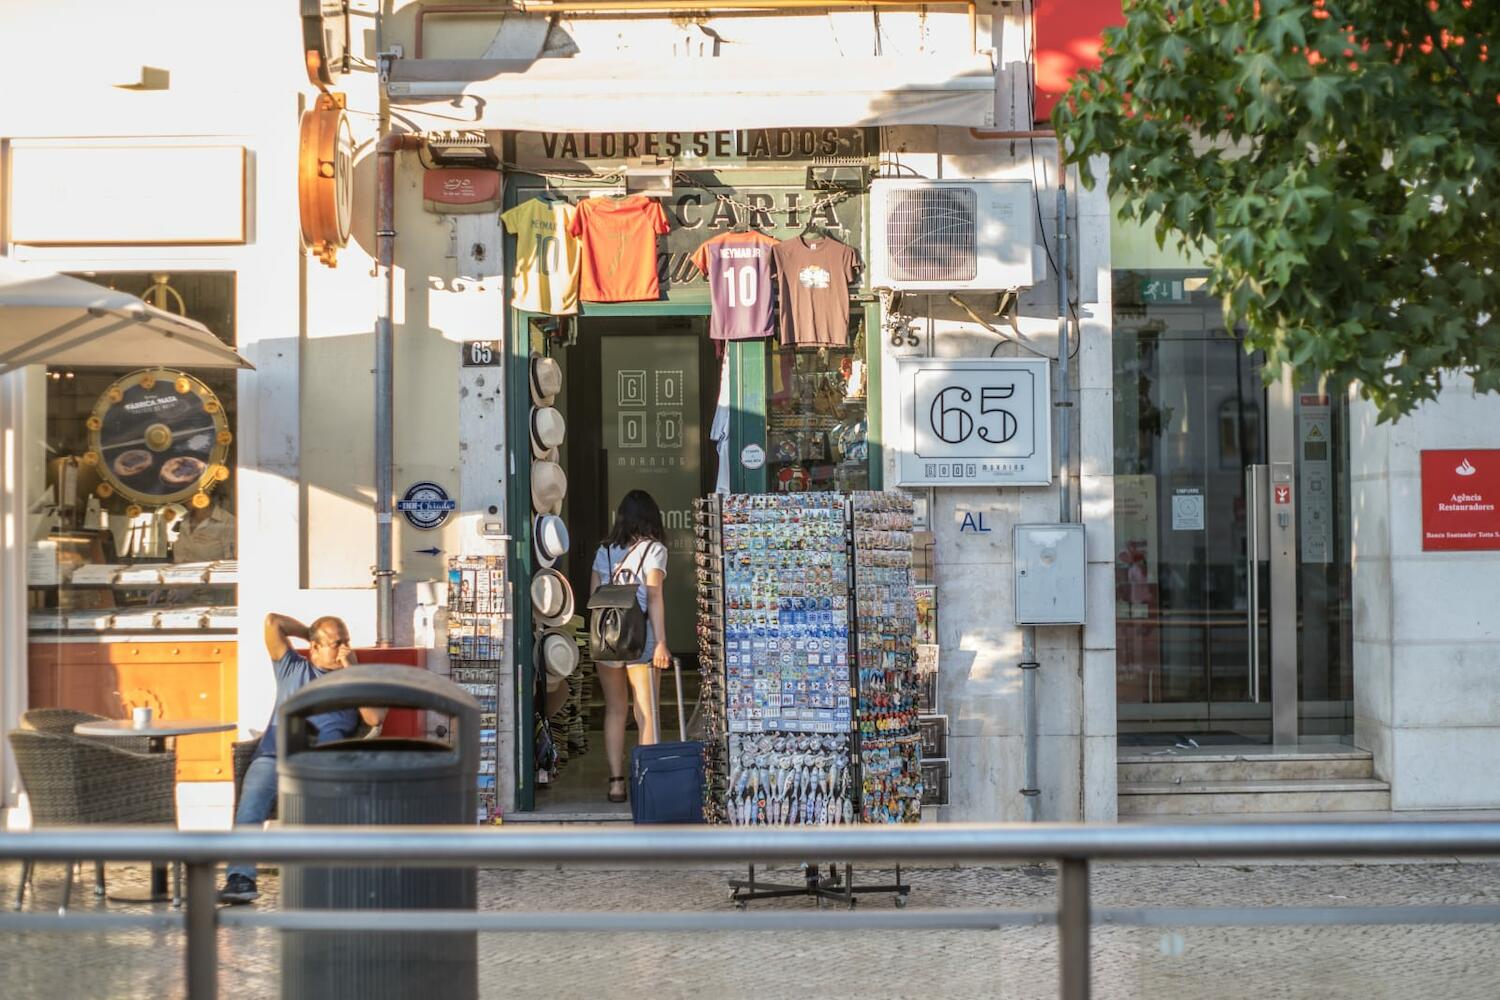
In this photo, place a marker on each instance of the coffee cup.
(140, 716)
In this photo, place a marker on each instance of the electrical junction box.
(1050, 567)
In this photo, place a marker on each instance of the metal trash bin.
(382, 781)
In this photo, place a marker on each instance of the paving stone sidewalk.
(1399, 962)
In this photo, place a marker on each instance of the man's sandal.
(613, 796)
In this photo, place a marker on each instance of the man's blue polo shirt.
(294, 672)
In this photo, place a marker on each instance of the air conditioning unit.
(948, 235)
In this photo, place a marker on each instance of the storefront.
(1233, 593)
(651, 401)
(132, 575)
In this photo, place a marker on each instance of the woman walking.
(635, 551)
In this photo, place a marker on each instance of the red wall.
(1067, 39)
(399, 721)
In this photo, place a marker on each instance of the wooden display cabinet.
(193, 678)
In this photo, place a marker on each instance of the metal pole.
(385, 258)
(1029, 667)
(202, 933)
(1064, 403)
(1073, 921)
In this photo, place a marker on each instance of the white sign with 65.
(975, 422)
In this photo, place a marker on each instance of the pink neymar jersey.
(738, 266)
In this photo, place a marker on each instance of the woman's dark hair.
(638, 517)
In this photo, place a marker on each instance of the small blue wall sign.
(426, 505)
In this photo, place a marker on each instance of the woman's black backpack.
(617, 625)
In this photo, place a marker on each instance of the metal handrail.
(542, 845)
(1073, 846)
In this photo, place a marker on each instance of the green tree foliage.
(1337, 160)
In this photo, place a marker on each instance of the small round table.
(158, 731)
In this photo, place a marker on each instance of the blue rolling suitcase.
(666, 779)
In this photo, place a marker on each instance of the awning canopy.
(50, 318)
(713, 94)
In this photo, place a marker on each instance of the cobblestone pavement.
(1370, 963)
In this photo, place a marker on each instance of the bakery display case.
(132, 571)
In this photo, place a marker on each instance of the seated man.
(328, 649)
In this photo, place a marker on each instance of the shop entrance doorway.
(1233, 622)
(639, 397)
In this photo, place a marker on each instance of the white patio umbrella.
(50, 318)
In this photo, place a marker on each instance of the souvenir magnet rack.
(476, 646)
(776, 578)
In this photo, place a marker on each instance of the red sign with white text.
(461, 189)
(1460, 499)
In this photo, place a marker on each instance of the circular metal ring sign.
(426, 505)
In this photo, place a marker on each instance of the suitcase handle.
(681, 716)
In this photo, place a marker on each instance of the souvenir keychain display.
(805, 625)
(708, 569)
(785, 778)
(476, 644)
(786, 662)
(885, 625)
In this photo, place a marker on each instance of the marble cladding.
(1427, 640)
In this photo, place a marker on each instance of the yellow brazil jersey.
(547, 256)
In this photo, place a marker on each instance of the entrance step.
(586, 817)
(1228, 798)
(1197, 766)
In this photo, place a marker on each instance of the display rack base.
(830, 888)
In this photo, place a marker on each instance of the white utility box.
(1050, 566)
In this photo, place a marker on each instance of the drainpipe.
(385, 257)
(1064, 402)
(1064, 406)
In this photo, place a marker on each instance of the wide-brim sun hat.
(545, 380)
(549, 484)
(556, 654)
(548, 428)
(549, 539)
(551, 598)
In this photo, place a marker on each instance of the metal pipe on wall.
(1064, 402)
(1031, 793)
(385, 385)
(1063, 405)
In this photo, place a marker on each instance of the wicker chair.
(62, 720)
(244, 753)
(73, 781)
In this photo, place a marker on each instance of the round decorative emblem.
(753, 456)
(426, 505)
(158, 437)
(325, 177)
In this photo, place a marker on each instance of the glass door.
(1231, 547)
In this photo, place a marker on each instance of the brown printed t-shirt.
(814, 275)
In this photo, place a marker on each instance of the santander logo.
(1465, 469)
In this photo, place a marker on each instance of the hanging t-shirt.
(738, 266)
(813, 275)
(619, 248)
(547, 256)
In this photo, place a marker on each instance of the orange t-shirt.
(619, 248)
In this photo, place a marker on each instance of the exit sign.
(1162, 290)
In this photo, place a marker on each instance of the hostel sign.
(1460, 499)
(975, 422)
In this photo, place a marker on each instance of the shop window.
(817, 417)
(138, 532)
